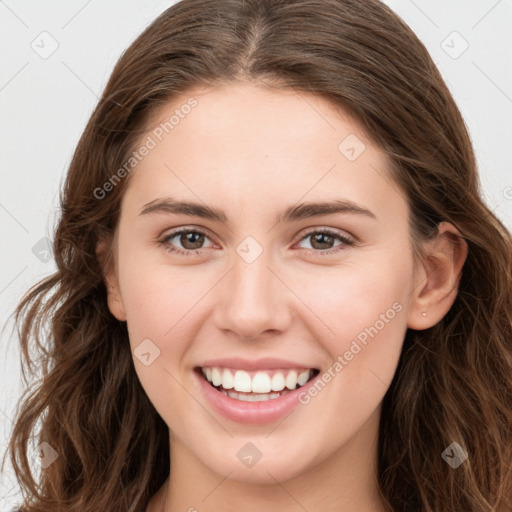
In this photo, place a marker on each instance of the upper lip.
(265, 363)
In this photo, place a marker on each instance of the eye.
(322, 240)
(190, 239)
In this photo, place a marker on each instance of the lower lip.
(252, 412)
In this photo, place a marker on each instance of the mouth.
(256, 385)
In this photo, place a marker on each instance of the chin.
(266, 471)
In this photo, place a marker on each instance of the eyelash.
(164, 242)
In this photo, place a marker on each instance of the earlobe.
(438, 279)
(115, 301)
(114, 297)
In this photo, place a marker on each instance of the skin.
(253, 152)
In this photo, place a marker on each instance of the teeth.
(303, 377)
(252, 397)
(260, 382)
(242, 381)
(216, 377)
(278, 382)
(291, 380)
(228, 382)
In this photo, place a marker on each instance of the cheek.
(153, 293)
(362, 313)
(366, 315)
(160, 320)
(163, 304)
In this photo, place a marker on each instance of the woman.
(278, 286)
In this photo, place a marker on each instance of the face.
(268, 292)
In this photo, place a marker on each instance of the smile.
(259, 385)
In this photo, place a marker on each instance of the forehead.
(241, 140)
(267, 118)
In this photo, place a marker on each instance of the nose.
(253, 300)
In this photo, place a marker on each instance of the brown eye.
(191, 240)
(322, 241)
(325, 240)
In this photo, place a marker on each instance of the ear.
(104, 252)
(437, 279)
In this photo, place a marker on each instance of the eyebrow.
(292, 213)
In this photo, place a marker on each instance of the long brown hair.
(454, 380)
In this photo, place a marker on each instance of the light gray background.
(45, 103)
